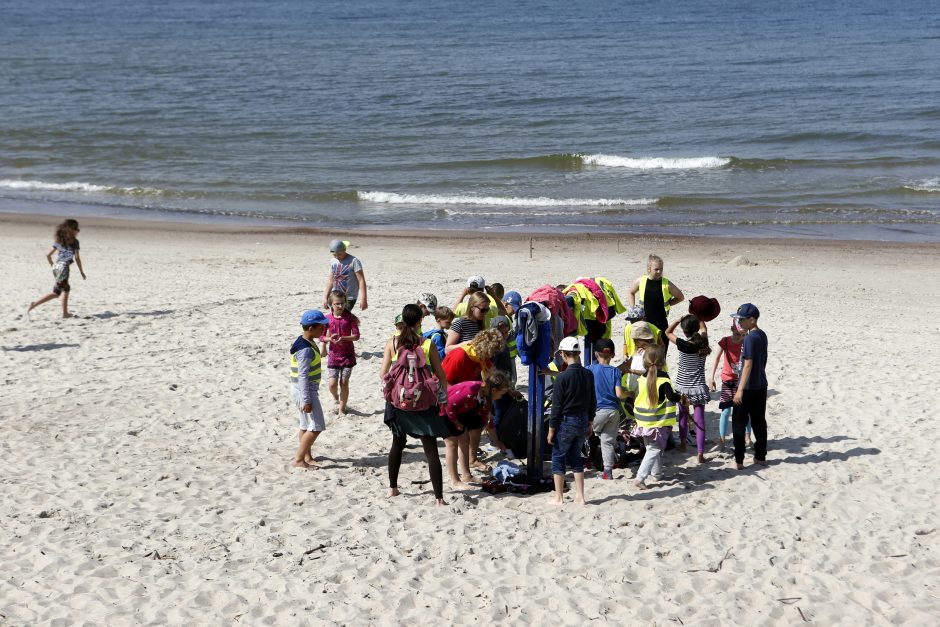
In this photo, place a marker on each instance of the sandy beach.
(146, 442)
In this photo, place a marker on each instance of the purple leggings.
(698, 416)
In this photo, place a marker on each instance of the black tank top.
(653, 303)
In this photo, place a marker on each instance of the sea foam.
(504, 201)
(74, 186)
(927, 185)
(656, 163)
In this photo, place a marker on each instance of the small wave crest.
(657, 163)
(503, 201)
(76, 186)
(927, 185)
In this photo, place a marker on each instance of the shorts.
(315, 420)
(60, 273)
(339, 372)
(728, 388)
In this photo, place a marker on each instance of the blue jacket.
(540, 351)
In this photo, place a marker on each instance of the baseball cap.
(398, 319)
(604, 346)
(569, 345)
(747, 310)
(337, 245)
(513, 298)
(498, 320)
(312, 316)
(641, 331)
(429, 300)
(478, 280)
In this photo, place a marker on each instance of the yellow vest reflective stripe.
(314, 373)
(667, 295)
(662, 415)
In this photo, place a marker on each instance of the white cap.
(569, 345)
(478, 280)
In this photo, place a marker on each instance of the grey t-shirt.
(344, 275)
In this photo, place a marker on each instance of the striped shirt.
(466, 328)
(691, 371)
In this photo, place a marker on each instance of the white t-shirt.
(344, 275)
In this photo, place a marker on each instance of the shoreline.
(174, 226)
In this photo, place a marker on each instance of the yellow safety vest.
(629, 346)
(662, 415)
(314, 373)
(667, 295)
(427, 346)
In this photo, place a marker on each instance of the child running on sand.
(338, 343)
(655, 412)
(729, 347)
(67, 247)
(305, 382)
(690, 378)
(573, 407)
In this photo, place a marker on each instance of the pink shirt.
(731, 359)
(342, 354)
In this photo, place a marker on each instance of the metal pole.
(588, 352)
(533, 445)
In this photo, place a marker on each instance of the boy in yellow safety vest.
(305, 369)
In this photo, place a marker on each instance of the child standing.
(67, 247)
(338, 341)
(347, 276)
(443, 316)
(750, 399)
(729, 347)
(305, 383)
(655, 411)
(690, 378)
(608, 393)
(573, 407)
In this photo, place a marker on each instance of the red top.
(463, 398)
(731, 358)
(458, 367)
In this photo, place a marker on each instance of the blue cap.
(513, 298)
(747, 310)
(312, 316)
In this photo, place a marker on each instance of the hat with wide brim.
(704, 308)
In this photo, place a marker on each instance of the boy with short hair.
(574, 404)
(609, 393)
(443, 316)
(750, 400)
(305, 371)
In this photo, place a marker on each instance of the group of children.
(464, 365)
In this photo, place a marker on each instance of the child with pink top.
(343, 331)
(729, 347)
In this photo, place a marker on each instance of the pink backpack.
(409, 384)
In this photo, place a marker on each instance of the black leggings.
(753, 409)
(430, 452)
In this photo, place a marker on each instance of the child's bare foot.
(468, 478)
(439, 503)
(578, 500)
(640, 485)
(342, 409)
(67, 315)
(479, 465)
(747, 442)
(683, 448)
(739, 466)
(760, 462)
(556, 500)
(701, 458)
(301, 464)
(460, 485)
(393, 492)
(312, 462)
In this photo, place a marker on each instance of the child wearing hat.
(346, 276)
(305, 372)
(574, 404)
(750, 399)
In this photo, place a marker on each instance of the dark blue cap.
(312, 316)
(747, 310)
(513, 298)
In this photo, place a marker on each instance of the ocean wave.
(77, 186)
(926, 185)
(657, 163)
(504, 201)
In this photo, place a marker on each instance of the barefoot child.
(729, 347)
(469, 405)
(690, 378)
(305, 381)
(750, 399)
(655, 411)
(608, 392)
(573, 407)
(338, 341)
(66, 244)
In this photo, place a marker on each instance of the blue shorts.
(569, 443)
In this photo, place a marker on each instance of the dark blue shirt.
(606, 378)
(755, 349)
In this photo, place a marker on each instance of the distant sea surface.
(778, 119)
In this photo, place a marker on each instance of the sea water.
(809, 119)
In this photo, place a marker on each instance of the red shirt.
(731, 358)
(458, 367)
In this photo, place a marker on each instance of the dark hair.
(65, 233)
(498, 290)
(342, 294)
(690, 326)
(410, 315)
(496, 380)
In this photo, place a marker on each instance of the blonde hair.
(487, 344)
(653, 361)
(653, 259)
(477, 299)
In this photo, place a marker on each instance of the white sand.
(145, 444)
